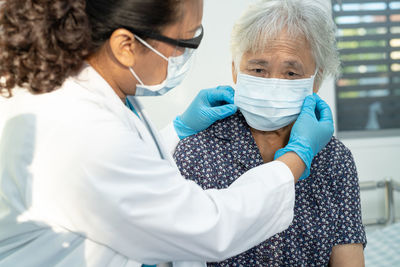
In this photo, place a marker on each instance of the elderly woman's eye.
(258, 70)
(292, 74)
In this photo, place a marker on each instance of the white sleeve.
(110, 188)
(170, 137)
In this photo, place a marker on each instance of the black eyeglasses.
(189, 43)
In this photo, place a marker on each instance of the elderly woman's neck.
(269, 142)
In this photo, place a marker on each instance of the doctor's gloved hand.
(208, 106)
(311, 132)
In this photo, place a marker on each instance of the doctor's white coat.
(82, 183)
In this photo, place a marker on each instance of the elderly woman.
(282, 50)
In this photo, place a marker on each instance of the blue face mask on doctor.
(269, 104)
(178, 67)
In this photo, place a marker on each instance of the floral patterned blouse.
(327, 207)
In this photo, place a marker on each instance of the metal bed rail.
(396, 186)
(389, 186)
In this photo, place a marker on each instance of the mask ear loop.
(315, 76)
(136, 76)
(152, 49)
(316, 71)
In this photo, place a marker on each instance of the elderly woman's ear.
(234, 72)
(316, 86)
(318, 82)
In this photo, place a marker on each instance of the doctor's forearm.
(295, 164)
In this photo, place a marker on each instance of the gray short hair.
(266, 19)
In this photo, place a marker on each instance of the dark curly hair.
(42, 42)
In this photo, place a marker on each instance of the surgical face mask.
(177, 69)
(269, 104)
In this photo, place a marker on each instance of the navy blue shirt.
(327, 207)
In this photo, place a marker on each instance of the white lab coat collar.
(91, 80)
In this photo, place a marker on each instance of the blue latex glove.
(311, 132)
(209, 106)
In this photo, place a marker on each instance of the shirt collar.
(236, 132)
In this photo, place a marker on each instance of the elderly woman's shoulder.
(333, 156)
(336, 146)
(334, 163)
(201, 143)
(220, 130)
(335, 153)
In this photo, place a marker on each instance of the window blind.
(368, 91)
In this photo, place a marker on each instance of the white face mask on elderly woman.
(269, 104)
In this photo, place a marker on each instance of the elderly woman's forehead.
(285, 38)
(298, 47)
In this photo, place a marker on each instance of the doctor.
(87, 182)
